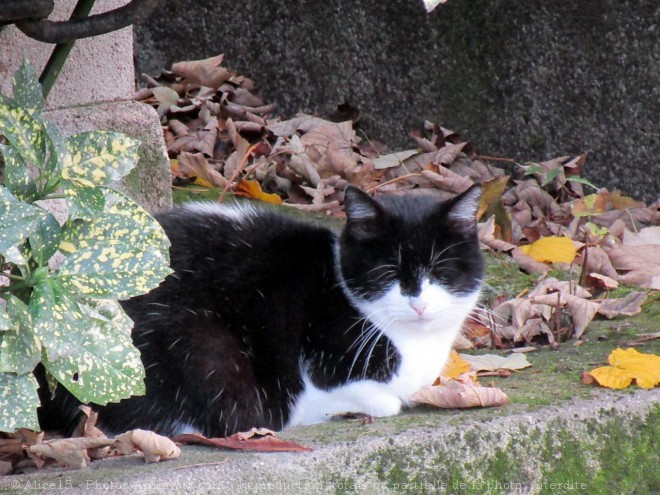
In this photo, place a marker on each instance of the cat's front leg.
(369, 397)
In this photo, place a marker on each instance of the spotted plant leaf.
(17, 176)
(5, 320)
(105, 366)
(123, 222)
(112, 271)
(100, 157)
(83, 198)
(19, 220)
(19, 256)
(20, 349)
(24, 133)
(57, 151)
(45, 239)
(57, 319)
(26, 90)
(18, 402)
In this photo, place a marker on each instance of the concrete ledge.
(149, 184)
(606, 444)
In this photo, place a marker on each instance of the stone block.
(149, 184)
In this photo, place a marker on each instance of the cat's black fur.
(223, 338)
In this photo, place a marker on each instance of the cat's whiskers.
(381, 332)
(434, 258)
(372, 333)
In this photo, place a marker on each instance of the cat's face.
(411, 263)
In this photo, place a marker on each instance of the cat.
(271, 322)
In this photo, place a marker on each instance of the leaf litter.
(25, 450)
(544, 216)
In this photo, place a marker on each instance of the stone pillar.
(93, 91)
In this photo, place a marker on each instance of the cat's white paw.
(381, 405)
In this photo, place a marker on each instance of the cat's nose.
(418, 305)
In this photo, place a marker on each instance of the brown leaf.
(70, 452)
(625, 306)
(393, 159)
(527, 263)
(597, 261)
(256, 439)
(641, 264)
(488, 238)
(303, 123)
(458, 394)
(155, 447)
(447, 180)
(196, 165)
(207, 72)
(330, 147)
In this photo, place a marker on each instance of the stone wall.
(97, 69)
(528, 79)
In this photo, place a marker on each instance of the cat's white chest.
(423, 342)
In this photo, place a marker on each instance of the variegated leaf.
(5, 320)
(24, 133)
(19, 220)
(113, 271)
(57, 150)
(18, 402)
(26, 90)
(106, 366)
(58, 321)
(17, 176)
(100, 157)
(45, 239)
(83, 199)
(20, 350)
(123, 222)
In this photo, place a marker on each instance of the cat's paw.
(381, 405)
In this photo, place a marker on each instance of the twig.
(495, 158)
(392, 181)
(203, 464)
(238, 170)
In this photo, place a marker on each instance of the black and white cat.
(268, 321)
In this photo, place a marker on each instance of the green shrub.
(68, 317)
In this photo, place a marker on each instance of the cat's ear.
(359, 206)
(463, 208)
(361, 212)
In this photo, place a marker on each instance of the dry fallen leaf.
(493, 362)
(155, 447)
(206, 72)
(625, 306)
(458, 394)
(627, 365)
(69, 452)
(260, 439)
(196, 165)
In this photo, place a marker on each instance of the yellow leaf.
(610, 377)
(628, 365)
(551, 250)
(645, 367)
(201, 181)
(252, 189)
(455, 366)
